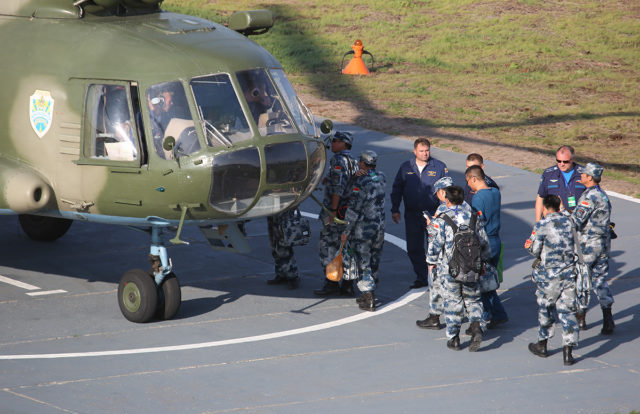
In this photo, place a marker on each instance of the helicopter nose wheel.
(137, 296)
(140, 299)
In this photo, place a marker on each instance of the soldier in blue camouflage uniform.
(285, 264)
(342, 167)
(592, 220)
(458, 296)
(552, 244)
(365, 222)
(436, 300)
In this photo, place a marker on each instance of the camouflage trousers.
(329, 243)
(376, 252)
(557, 296)
(436, 298)
(596, 256)
(457, 298)
(284, 261)
(362, 252)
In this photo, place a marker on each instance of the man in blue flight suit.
(562, 180)
(414, 185)
(476, 159)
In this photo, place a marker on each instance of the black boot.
(539, 348)
(566, 355)
(278, 280)
(582, 320)
(607, 322)
(432, 322)
(367, 302)
(476, 336)
(454, 343)
(346, 288)
(329, 288)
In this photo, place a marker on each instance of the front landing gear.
(143, 295)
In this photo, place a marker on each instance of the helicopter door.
(112, 151)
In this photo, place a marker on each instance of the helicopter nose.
(291, 170)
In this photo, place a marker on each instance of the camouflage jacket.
(365, 208)
(342, 167)
(552, 242)
(442, 241)
(592, 214)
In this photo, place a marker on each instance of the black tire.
(43, 228)
(169, 298)
(137, 296)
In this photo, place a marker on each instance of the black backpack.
(465, 265)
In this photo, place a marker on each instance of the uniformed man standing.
(458, 296)
(592, 219)
(286, 268)
(365, 222)
(414, 185)
(436, 298)
(337, 185)
(552, 244)
(561, 180)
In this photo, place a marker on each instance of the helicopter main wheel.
(137, 296)
(43, 228)
(169, 298)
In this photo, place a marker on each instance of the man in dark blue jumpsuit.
(414, 185)
(561, 180)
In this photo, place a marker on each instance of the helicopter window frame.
(217, 135)
(89, 128)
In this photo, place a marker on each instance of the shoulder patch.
(356, 189)
(479, 212)
(337, 167)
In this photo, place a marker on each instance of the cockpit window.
(264, 103)
(170, 117)
(220, 112)
(110, 126)
(299, 111)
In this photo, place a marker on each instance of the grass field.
(524, 74)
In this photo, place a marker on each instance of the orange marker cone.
(356, 66)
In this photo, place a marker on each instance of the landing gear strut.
(143, 295)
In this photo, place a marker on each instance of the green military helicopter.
(115, 111)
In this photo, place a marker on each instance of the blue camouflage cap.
(369, 157)
(344, 136)
(592, 169)
(442, 183)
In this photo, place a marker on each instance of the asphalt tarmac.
(239, 345)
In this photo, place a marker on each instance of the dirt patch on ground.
(451, 139)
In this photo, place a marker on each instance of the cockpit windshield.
(264, 103)
(220, 112)
(299, 111)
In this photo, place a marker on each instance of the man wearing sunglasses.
(562, 180)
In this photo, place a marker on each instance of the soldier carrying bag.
(296, 231)
(466, 264)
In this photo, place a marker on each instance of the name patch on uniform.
(585, 203)
(431, 173)
(41, 112)
(337, 167)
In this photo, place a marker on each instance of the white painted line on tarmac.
(405, 299)
(17, 283)
(408, 297)
(46, 292)
(622, 196)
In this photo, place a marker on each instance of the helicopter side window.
(170, 117)
(264, 103)
(220, 112)
(109, 120)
